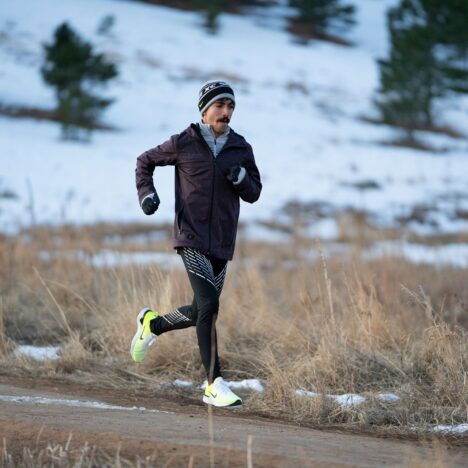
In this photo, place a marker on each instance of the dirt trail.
(177, 432)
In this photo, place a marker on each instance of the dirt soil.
(179, 432)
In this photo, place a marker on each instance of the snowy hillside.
(299, 106)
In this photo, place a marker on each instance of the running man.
(214, 168)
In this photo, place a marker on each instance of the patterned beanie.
(213, 91)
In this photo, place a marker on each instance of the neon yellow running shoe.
(219, 394)
(143, 338)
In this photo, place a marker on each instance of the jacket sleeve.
(161, 155)
(251, 186)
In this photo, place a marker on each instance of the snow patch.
(455, 255)
(451, 429)
(247, 384)
(74, 403)
(40, 353)
(345, 400)
(388, 397)
(348, 399)
(113, 259)
(183, 383)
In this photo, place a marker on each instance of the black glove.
(233, 174)
(150, 204)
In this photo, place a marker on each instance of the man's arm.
(162, 155)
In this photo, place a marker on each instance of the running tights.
(206, 275)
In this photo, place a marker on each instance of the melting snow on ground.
(451, 429)
(348, 399)
(388, 397)
(248, 384)
(73, 403)
(455, 255)
(183, 383)
(40, 353)
(113, 258)
(345, 400)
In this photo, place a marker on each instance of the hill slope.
(299, 105)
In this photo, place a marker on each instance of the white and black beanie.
(212, 91)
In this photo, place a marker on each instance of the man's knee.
(208, 306)
(193, 317)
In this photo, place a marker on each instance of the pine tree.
(74, 70)
(409, 82)
(322, 14)
(427, 62)
(212, 10)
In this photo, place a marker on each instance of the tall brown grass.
(333, 325)
(54, 454)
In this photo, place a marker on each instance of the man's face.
(219, 114)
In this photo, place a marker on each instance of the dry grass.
(54, 454)
(337, 326)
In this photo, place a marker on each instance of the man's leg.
(151, 324)
(206, 276)
(182, 317)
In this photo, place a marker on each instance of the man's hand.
(150, 204)
(236, 174)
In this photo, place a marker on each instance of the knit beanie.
(213, 91)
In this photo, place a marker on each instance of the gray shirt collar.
(215, 143)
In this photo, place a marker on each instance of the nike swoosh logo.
(141, 336)
(214, 395)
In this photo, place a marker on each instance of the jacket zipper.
(212, 188)
(212, 185)
(211, 207)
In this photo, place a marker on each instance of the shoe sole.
(140, 316)
(210, 401)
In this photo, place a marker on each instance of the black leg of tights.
(206, 275)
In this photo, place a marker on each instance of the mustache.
(224, 120)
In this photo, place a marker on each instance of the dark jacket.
(206, 202)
